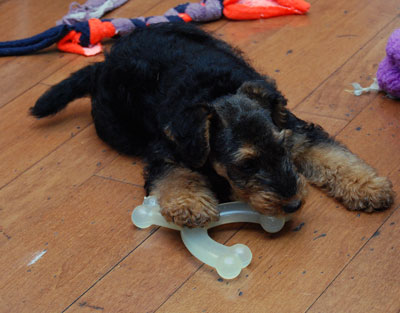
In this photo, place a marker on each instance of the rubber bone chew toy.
(228, 261)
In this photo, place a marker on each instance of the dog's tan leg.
(345, 177)
(185, 198)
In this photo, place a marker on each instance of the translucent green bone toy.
(228, 261)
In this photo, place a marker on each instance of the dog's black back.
(148, 79)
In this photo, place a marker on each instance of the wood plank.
(21, 19)
(289, 271)
(80, 239)
(22, 73)
(301, 57)
(247, 34)
(24, 18)
(29, 140)
(288, 274)
(145, 281)
(332, 98)
(374, 134)
(372, 279)
(147, 277)
(125, 169)
(42, 186)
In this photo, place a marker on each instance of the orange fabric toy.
(256, 9)
(98, 30)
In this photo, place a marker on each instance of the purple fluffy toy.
(388, 74)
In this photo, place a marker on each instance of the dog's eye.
(263, 179)
(248, 166)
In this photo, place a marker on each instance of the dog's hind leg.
(183, 195)
(330, 166)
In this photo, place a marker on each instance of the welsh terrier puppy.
(210, 128)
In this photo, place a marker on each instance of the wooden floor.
(66, 240)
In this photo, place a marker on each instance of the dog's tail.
(57, 97)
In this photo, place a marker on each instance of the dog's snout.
(292, 207)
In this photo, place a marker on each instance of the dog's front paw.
(376, 194)
(190, 210)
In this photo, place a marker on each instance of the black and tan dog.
(211, 128)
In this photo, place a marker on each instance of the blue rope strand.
(35, 43)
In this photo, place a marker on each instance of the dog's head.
(243, 137)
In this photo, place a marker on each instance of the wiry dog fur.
(211, 128)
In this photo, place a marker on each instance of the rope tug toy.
(81, 30)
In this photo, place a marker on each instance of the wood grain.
(288, 272)
(22, 73)
(81, 238)
(302, 55)
(145, 279)
(21, 19)
(25, 18)
(125, 169)
(378, 128)
(32, 139)
(333, 98)
(71, 195)
(371, 280)
(45, 184)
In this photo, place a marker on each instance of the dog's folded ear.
(189, 132)
(268, 96)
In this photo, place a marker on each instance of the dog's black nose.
(292, 207)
